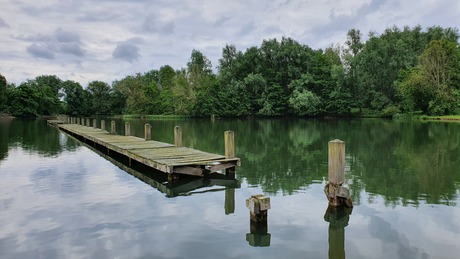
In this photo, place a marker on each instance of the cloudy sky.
(86, 40)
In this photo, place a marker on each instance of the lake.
(60, 198)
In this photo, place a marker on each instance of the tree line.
(402, 70)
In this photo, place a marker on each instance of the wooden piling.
(94, 123)
(88, 123)
(102, 124)
(335, 192)
(336, 163)
(127, 129)
(147, 132)
(213, 118)
(113, 128)
(258, 207)
(178, 136)
(229, 138)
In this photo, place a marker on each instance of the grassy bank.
(441, 118)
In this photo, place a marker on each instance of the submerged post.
(258, 211)
(178, 136)
(113, 128)
(258, 207)
(147, 131)
(127, 129)
(229, 137)
(335, 192)
(102, 124)
(94, 123)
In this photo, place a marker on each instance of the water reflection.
(258, 234)
(404, 162)
(338, 218)
(183, 186)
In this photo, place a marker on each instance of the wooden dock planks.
(162, 156)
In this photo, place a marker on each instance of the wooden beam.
(188, 170)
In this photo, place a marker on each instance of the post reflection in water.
(258, 235)
(338, 218)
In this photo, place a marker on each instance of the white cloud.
(86, 40)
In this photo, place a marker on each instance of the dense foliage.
(400, 71)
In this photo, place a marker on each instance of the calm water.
(61, 199)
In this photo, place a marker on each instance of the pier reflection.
(183, 186)
(338, 218)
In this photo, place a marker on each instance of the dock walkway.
(165, 157)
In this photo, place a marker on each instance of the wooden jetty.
(171, 159)
(182, 187)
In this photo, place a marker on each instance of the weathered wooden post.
(178, 136)
(113, 128)
(127, 129)
(258, 207)
(335, 192)
(94, 123)
(229, 139)
(147, 131)
(102, 124)
(88, 122)
(258, 211)
(213, 118)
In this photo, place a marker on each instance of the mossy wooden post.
(178, 136)
(127, 129)
(229, 140)
(147, 131)
(102, 124)
(113, 127)
(94, 123)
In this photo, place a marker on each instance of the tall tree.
(3, 93)
(101, 97)
(74, 98)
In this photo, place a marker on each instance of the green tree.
(24, 100)
(100, 97)
(74, 98)
(433, 86)
(48, 88)
(3, 93)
